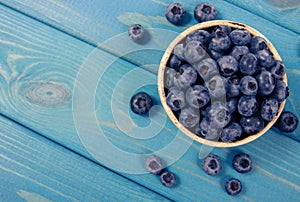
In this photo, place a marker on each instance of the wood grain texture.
(285, 13)
(35, 169)
(93, 21)
(31, 51)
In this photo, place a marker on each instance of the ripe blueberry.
(194, 52)
(197, 96)
(233, 186)
(287, 122)
(179, 51)
(252, 124)
(247, 105)
(231, 132)
(207, 68)
(239, 51)
(185, 77)
(257, 43)
(205, 130)
(175, 99)
(205, 12)
(218, 114)
(242, 163)
(174, 62)
(231, 104)
(265, 58)
(175, 13)
(216, 87)
(169, 77)
(212, 164)
(222, 28)
(269, 109)
(278, 70)
(189, 117)
(168, 179)
(228, 65)
(233, 87)
(248, 85)
(198, 35)
(140, 103)
(248, 64)
(136, 32)
(219, 41)
(281, 91)
(240, 37)
(266, 82)
(154, 164)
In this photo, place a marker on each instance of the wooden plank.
(93, 22)
(47, 61)
(283, 13)
(35, 169)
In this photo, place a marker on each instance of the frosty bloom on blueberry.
(175, 13)
(136, 32)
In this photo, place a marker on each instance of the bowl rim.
(161, 91)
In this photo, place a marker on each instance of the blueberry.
(240, 37)
(219, 41)
(248, 85)
(252, 125)
(266, 82)
(194, 52)
(174, 62)
(257, 43)
(154, 164)
(198, 35)
(197, 96)
(278, 70)
(216, 87)
(140, 103)
(242, 163)
(265, 58)
(204, 130)
(136, 32)
(231, 104)
(215, 54)
(205, 12)
(168, 179)
(175, 13)
(179, 51)
(175, 99)
(287, 122)
(233, 87)
(269, 109)
(228, 65)
(189, 117)
(233, 186)
(247, 105)
(222, 28)
(212, 164)
(207, 68)
(169, 77)
(185, 77)
(218, 114)
(239, 51)
(248, 64)
(281, 91)
(231, 132)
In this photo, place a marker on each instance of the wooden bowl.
(161, 89)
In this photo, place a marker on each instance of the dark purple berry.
(206, 131)
(154, 164)
(231, 132)
(189, 117)
(248, 85)
(233, 87)
(179, 51)
(239, 51)
(248, 64)
(222, 28)
(169, 77)
(252, 125)
(198, 35)
(141, 103)
(247, 105)
(281, 91)
(175, 99)
(136, 32)
(207, 68)
(257, 43)
(212, 164)
(218, 114)
(266, 82)
(265, 58)
(194, 52)
(197, 96)
(175, 13)
(278, 70)
(232, 104)
(205, 12)
(185, 77)
(269, 109)
(233, 186)
(168, 179)
(174, 62)
(216, 87)
(287, 122)
(240, 37)
(228, 65)
(219, 41)
(242, 163)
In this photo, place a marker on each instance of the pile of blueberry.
(242, 163)
(224, 82)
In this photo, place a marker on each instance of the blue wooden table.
(67, 71)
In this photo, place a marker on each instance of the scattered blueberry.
(265, 58)
(189, 117)
(218, 114)
(252, 125)
(247, 105)
(168, 179)
(136, 32)
(198, 35)
(216, 87)
(233, 87)
(212, 164)
(169, 77)
(194, 52)
(174, 62)
(228, 65)
(154, 164)
(269, 109)
(248, 64)
(179, 51)
(204, 130)
(281, 91)
(185, 77)
(266, 82)
(231, 132)
(242, 163)
(239, 51)
(175, 99)
(231, 104)
(205, 12)
(141, 103)
(278, 70)
(197, 96)
(219, 41)
(233, 186)
(207, 68)
(248, 85)
(257, 43)
(240, 37)
(287, 122)
(175, 13)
